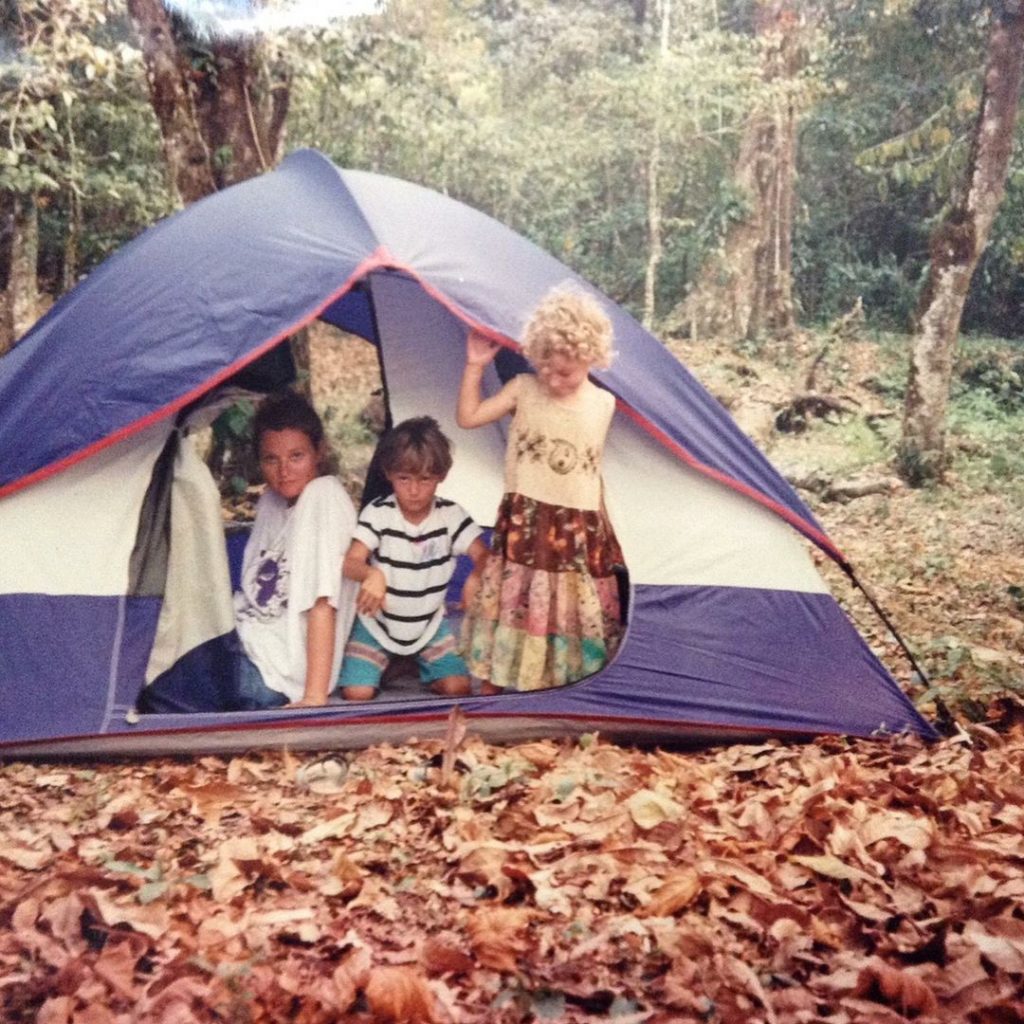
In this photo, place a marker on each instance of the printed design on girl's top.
(590, 460)
(530, 446)
(560, 455)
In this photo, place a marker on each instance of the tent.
(112, 555)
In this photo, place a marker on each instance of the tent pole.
(880, 612)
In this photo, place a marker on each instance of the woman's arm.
(320, 625)
(473, 410)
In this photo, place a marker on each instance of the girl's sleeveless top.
(554, 452)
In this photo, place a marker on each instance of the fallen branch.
(843, 329)
(844, 490)
(793, 417)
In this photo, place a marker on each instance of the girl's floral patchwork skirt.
(548, 611)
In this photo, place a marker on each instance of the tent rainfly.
(112, 557)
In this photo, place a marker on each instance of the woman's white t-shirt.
(293, 558)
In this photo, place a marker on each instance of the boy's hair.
(287, 411)
(416, 445)
(570, 323)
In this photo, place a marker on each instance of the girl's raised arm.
(473, 410)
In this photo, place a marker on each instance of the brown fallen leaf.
(350, 874)
(151, 920)
(497, 937)
(345, 988)
(455, 733)
(56, 1010)
(23, 857)
(486, 865)
(400, 995)
(649, 809)
(914, 832)
(541, 754)
(116, 966)
(833, 867)
(677, 892)
(442, 955)
(900, 989)
(209, 801)
(373, 814)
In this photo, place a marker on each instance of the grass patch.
(984, 442)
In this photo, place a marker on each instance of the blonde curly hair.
(570, 323)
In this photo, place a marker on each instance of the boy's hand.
(371, 595)
(479, 350)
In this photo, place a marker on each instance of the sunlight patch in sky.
(243, 17)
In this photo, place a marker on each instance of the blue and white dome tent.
(112, 559)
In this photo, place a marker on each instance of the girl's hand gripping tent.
(111, 546)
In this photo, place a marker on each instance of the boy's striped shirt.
(418, 562)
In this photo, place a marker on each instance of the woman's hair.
(570, 323)
(416, 446)
(291, 411)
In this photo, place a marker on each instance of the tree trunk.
(222, 117)
(185, 150)
(654, 245)
(22, 278)
(747, 288)
(224, 104)
(955, 248)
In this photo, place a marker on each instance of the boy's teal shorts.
(365, 659)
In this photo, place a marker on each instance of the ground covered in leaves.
(838, 881)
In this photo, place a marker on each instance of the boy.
(403, 555)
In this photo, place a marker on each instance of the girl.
(546, 609)
(293, 611)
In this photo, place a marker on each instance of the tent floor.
(404, 685)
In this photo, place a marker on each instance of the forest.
(722, 169)
(818, 207)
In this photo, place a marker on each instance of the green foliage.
(883, 150)
(233, 425)
(541, 115)
(77, 128)
(986, 416)
(948, 659)
(996, 375)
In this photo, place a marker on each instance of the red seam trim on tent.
(380, 258)
(671, 725)
(780, 510)
(377, 259)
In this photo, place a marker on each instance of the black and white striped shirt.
(418, 562)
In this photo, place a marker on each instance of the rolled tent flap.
(197, 605)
